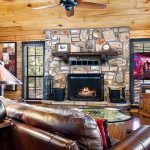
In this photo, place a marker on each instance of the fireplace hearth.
(85, 87)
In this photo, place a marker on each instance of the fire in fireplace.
(86, 92)
(86, 87)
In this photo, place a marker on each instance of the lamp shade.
(2, 111)
(7, 78)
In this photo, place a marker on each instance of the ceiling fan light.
(68, 7)
(68, 4)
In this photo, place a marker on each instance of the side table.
(145, 104)
(3, 124)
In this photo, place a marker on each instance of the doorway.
(33, 70)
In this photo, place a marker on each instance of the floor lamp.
(6, 78)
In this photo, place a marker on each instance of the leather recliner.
(41, 128)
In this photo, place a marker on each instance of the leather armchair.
(41, 128)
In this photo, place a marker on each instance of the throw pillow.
(107, 134)
(102, 131)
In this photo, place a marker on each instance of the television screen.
(142, 66)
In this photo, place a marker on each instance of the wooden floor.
(138, 121)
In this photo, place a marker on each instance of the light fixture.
(68, 4)
(6, 78)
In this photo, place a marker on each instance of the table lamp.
(6, 78)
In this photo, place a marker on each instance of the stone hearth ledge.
(84, 104)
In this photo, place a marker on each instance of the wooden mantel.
(106, 53)
(66, 55)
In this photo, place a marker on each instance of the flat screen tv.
(142, 66)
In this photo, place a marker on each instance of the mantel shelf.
(95, 54)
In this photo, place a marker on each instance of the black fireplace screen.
(86, 87)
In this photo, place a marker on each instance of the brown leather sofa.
(41, 128)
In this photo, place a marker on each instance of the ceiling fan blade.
(43, 7)
(70, 13)
(91, 5)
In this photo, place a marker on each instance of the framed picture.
(62, 47)
(8, 57)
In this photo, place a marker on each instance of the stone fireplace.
(115, 69)
(85, 87)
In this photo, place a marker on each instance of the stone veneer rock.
(115, 70)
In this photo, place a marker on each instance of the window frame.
(132, 41)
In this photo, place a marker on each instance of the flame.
(86, 89)
(86, 92)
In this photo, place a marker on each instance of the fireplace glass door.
(86, 87)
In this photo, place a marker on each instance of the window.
(33, 70)
(139, 46)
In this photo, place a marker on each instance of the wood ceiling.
(18, 17)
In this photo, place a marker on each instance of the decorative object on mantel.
(105, 47)
(62, 47)
(70, 4)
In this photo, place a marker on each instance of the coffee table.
(112, 115)
(116, 119)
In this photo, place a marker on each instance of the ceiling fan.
(70, 4)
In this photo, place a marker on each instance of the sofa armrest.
(137, 140)
(24, 137)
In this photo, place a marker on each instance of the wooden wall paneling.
(13, 33)
(140, 34)
(16, 2)
(143, 4)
